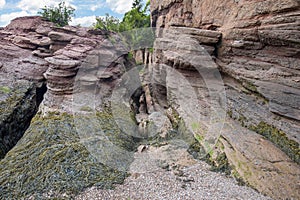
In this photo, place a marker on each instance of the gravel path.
(169, 172)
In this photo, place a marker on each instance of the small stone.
(135, 175)
(164, 165)
(142, 148)
(41, 54)
(188, 179)
(178, 172)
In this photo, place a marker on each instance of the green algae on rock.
(17, 107)
(278, 137)
(52, 161)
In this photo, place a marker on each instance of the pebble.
(192, 182)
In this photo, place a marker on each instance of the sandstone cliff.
(50, 158)
(255, 46)
(225, 72)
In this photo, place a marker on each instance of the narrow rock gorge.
(220, 83)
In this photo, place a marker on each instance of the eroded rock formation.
(225, 72)
(255, 44)
(49, 159)
(21, 79)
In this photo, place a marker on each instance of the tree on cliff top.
(134, 26)
(108, 23)
(137, 17)
(60, 15)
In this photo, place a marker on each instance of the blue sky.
(85, 13)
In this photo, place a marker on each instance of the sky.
(85, 10)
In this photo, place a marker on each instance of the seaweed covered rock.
(60, 154)
(18, 104)
(56, 158)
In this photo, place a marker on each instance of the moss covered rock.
(17, 107)
(278, 137)
(55, 159)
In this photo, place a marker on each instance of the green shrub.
(109, 23)
(137, 17)
(60, 15)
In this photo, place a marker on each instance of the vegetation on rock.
(17, 107)
(60, 15)
(279, 138)
(108, 23)
(137, 17)
(52, 160)
(134, 26)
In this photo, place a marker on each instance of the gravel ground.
(169, 172)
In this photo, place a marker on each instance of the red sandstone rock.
(258, 54)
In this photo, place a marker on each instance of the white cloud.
(120, 6)
(95, 7)
(2, 3)
(6, 18)
(33, 6)
(28, 7)
(83, 21)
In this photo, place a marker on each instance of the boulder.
(56, 159)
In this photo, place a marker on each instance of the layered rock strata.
(255, 45)
(60, 153)
(21, 75)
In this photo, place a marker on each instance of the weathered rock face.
(255, 44)
(17, 45)
(21, 77)
(60, 153)
(34, 49)
(18, 104)
(143, 56)
(88, 61)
